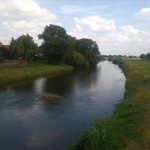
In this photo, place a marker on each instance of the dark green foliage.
(148, 55)
(78, 60)
(24, 47)
(6, 53)
(89, 49)
(57, 50)
(143, 56)
(1, 57)
(52, 31)
(57, 47)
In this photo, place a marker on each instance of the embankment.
(9, 74)
(128, 127)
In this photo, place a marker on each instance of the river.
(29, 123)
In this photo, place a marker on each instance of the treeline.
(57, 48)
(147, 56)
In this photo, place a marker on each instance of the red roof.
(6, 46)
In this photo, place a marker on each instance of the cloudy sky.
(118, 26)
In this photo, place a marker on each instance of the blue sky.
(118, 26)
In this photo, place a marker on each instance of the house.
(5, 46)
(6, 51)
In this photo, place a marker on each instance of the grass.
(9, 74)
(128, 128)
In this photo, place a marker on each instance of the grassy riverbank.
(9, 74)
(128, 127)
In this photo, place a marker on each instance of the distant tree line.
(57, 48)
(145, 56)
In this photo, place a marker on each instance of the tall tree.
(52, 31)
(142, 56)
(1, 56)
(89, 49)
(24, 47)
(148, 55)
(57, 45)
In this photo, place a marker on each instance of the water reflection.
(28, 123)
(39, 85)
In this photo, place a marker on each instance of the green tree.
(142, 56)
(52, 31)
(148, 55)
(78, 60)
(24, 47)
(57, 45)
(89, 49)
(1, 56)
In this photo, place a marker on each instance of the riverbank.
(128, 127)
(9, 74)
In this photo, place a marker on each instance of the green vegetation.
(1, 57)
(49, 97)
(147, 56)
(24, 47)
(89, 49)
(128, 127)
(58, 47)
(10, 74)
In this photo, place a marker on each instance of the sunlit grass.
(11, 74)
(129, 126)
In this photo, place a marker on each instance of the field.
(11, 73)
(128, 128)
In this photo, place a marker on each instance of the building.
(5, 46)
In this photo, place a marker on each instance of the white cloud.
(96, 23)
(22, 17)
(121, 40)
(144, 12)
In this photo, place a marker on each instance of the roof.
(6, 46)
(1, 44)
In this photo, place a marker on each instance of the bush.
(78, 60)
(1, 59)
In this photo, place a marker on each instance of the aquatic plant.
(49, 97)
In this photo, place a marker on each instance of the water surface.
(86, 95)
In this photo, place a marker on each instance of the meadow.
(13, 73)
(128, 127)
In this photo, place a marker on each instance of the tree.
(89, 49)
(142, 56)
(52, 31)
(57, 45)
(6, 52)
(24, 47)
(78, 60)
(148, 55)
(1, 56)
